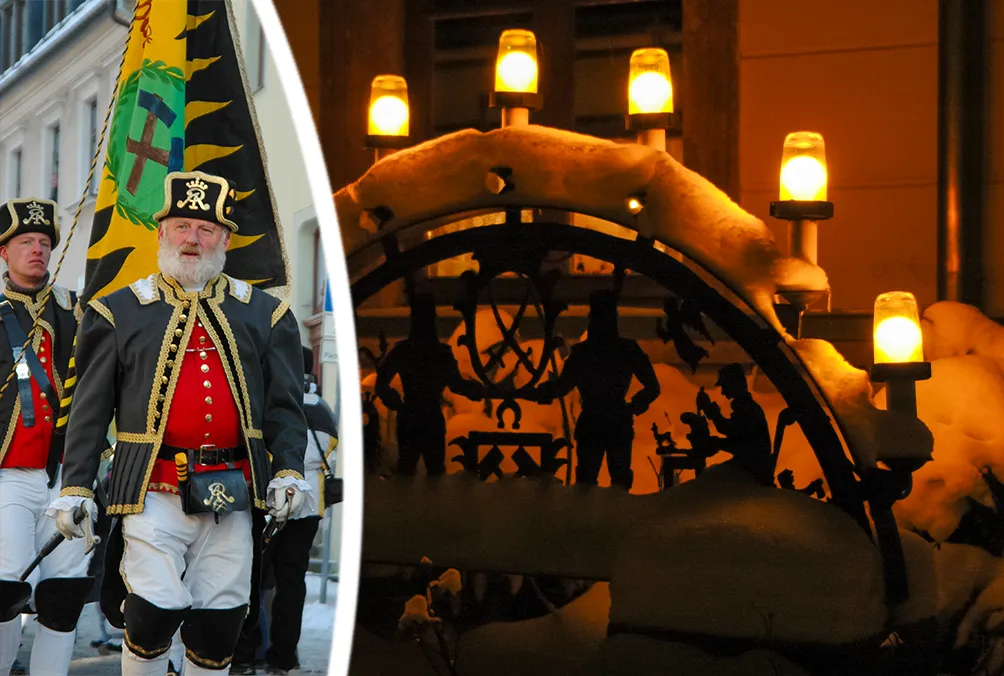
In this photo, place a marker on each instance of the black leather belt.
(207, 455)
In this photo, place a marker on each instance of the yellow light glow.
(651, 87)
(803, 167)
(898, 337)
(634, 206)
(516, 66)
(388, 115)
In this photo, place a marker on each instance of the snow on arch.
(596, 177)
(560, 169)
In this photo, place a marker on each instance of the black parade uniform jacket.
(126, 348)
(58, 325)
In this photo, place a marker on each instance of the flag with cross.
(182, 103)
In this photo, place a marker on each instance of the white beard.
(191, 273)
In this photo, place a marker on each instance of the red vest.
(29, 447)
(202, 410)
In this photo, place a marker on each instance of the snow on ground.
(315, 640)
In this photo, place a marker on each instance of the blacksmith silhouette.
(426, 367)
(601, 367)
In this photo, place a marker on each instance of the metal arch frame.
(762, 343)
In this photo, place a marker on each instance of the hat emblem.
(36, 215)
(196, 195)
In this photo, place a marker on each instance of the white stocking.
(51, 652)
(10, 641)
(134, 665)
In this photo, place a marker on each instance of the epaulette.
(62, 297)
(280, 310)
(102, 310)
(239, 289)
(146, 290)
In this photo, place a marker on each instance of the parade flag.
(182, 103)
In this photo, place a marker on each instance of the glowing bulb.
(804, 178)
(803, 167)
(898, 337)
(388, 114)
(651, 88)
(634, 206)
(516, 66)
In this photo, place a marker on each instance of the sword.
(275, 525)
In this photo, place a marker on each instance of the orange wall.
(994, 258)
(300, 19)
(867, 79)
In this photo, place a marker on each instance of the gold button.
(160, 397)
(42, 394)
(48, 418)
(206, 384)
(43, 359)
(202, 339)
(41, 349)
(186, 304)
(205, 368)
(45, 407)
(170, 363)
(199, 324)
(174, 348)
(209, 418)
(164, 380)
(206, 435)
(204, 355)
(183, 318)
(209, 400)
(156, 414)
(178, 332)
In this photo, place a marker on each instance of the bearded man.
(30, 447)
(202, 375)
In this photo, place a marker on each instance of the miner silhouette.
(601, 367)
(426, 367)
(747, 435)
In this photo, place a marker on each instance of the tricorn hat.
(194, 194)
(22, 215)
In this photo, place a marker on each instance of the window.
(254, 51)
(91, 112)
(53, 11)
(54, 162)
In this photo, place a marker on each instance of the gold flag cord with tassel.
(64, 404)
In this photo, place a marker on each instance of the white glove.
(286, 502)
(66, 521)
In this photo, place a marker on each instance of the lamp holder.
(911, 371)
(375, 141)
(641, 121)
(802, 210)
(528, 100)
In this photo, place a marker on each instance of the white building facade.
(59, 67)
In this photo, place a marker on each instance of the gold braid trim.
(134, 438)
(145, 654)
(280, 310)
(102, 310)
(288, 472)
(205, 662)
(11, 425)
(157, 486)
(254, 434)
(76, 492)
(107, 453)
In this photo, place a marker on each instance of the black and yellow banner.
(182, 103)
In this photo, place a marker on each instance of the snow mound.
(871, 434)
(736, 560)
(963, 405)
(560, 169)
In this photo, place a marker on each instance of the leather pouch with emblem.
(217, 491)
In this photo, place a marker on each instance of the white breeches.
(24, 528)
(175, 560)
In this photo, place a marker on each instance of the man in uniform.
(31, 450)
(202, 374)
